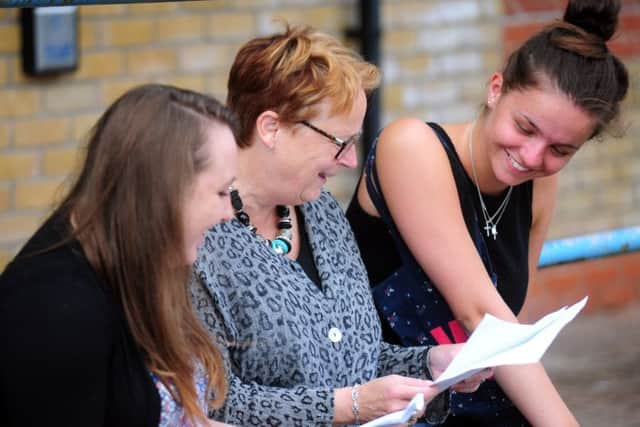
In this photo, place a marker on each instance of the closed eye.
(524, 130)
(355, 139)
(559, 152)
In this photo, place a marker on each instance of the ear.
(267, 126)
(495, 89)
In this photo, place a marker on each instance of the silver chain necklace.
(490, 221)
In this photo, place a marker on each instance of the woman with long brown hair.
(96, 324)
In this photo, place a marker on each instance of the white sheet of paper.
(496, 342)
(399, 417)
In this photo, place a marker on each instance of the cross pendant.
(494, 231)
(488, 228)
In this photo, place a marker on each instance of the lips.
(326, 175)
(515, 164)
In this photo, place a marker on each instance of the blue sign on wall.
(49, 39)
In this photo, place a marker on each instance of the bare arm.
(544, 202)
(420, 191)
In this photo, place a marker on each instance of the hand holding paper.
(496, 342)
(493, 343)
(399, 417)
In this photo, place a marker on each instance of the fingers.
(392, 393)
(412, 386)
(472, 383)
(413, 419)
(441, 356)
(480, 376)
(466, 388)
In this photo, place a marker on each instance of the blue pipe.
(590, 246)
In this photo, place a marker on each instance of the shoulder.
(51, 269)
(55, 300)
(326, 202)
(409, 149)
(324, 209)
(223, 243)
(325, 213)
(327, 221)
(62, 274)
(406, 131)
(408, 141)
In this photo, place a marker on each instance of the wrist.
(355, 405)
(427, 363)
(342, 413)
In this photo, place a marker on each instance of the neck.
(252, 182)
(473, 142)
(282, 242)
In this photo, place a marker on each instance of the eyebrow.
(533, 125)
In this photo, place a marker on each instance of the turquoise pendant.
(280, 246)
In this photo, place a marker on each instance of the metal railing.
(590, 246)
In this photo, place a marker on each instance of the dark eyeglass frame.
(344, 144)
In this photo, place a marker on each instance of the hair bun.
(598, 17)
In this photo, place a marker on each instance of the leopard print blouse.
(289, 343)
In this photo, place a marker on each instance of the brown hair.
(290, 73)
(573, 55)
(126, 208)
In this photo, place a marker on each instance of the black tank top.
(508, 253)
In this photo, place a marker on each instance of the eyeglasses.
(344, 144)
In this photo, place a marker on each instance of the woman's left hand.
(439, 358)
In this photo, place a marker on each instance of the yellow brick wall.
(437, 56)
(43, 120)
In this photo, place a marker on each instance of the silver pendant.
(488, 228)
(494, 231)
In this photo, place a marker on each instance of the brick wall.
(599, 188)
(43, 120)
(437, 57)
(610, 283)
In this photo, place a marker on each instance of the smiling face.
(310, 156)
(533, 132)
(207, 199)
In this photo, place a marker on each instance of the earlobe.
(267, 127)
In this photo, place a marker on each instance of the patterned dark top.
(288, 342)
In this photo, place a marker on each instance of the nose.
(532, 153)
(349, 158)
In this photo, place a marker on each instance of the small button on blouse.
(335, 335)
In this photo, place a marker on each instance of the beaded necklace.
(282, 243)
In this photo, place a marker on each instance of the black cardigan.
(67, 357)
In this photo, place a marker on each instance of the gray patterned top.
(289, 343)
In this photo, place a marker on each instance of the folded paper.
(496, 342)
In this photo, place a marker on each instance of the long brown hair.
(290, 73)
(573, 55)
(126, 211)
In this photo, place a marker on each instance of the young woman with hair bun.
(450, 219)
